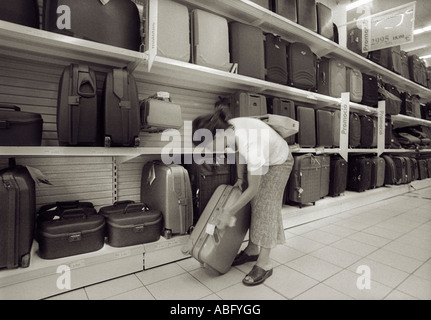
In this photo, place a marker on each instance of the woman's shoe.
(243, 257)
(256, 276)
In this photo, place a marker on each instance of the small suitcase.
(325, 174)
(338, 176)
(22, 12)
(370, 92)
(247, 104)
(114, 22)
(19, 128)
(243, 40)
(359, 176)
(354, 130)
(377, 172)
(367, 130)
(158, 114)
(17, 216)
(324, 127)
(77, 107)
(307, 127)
(336, 128)
(301, 66)
(307, 14)
(423, 169)
(390, 170)
(286, 9)
(283, 107)
(354, 41)
(210, 39)
(217, 249)
(275, 59)
(332, 77)
(121, 110)
(167, 188)
(325, 24)
(401, 169)
(354, 84)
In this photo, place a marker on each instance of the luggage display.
(336, 128)
(390, 170)
(301, 66)
(243, 40)
(218, 249)
(325, 24)
(354, 130)
(247, 104)
(159, 113)
(359, 174)
(370, 92)
(121, 109)
(324, 128)
(307, 126)
(285, 108)
(18, 128)
(77, 107)
(114, 22)
(367, 130)
(325, 174)
(69, 228)
(307, 14)
(378, 167)
(332, 76)
(286, 9)
(167, 188)
(17, 216)
(210, 40)
(354, 41)
(354, 84)
(338, 176)
(400, 170)
(275, 59)
(22, 12)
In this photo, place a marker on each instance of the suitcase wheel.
(137, 142)
(167, 233)
(25, 261)
(107, 142)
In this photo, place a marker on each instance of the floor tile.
(136, 294)
(370, 239)
(283, 254)
(313, 267)
(322, 292)
(78, 294)
(354, 247)
(240, 291)
(321, 236)
(113, 287)
(395, 260)
(336, 256)
(383, 232)
(338, 230)
(398, 295)
(416, 287)
(303, 244)
(409, 250)
(160, 273)
(424, 271)
(217, 282)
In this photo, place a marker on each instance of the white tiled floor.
(319, 260)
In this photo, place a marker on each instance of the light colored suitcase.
(158, 115)
(354, 84)
(216, 248)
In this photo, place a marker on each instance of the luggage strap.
(121, 90)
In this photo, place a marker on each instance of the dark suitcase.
(378, 167)
(390, 95)
(410, 105)
(307, 127)
(426, 111)
(429, 167)
(388, 132)
(247, 104)
(390, 170)
(243, 40)
(22, 12)
(285, 108)
(415, 69)
(325, 174)
(338, 176)
(121, 110)
(17, 216)
(304, 181)
(367, 130)
(167, 188)
(324, 125)
(325, 23)
(354, 130)
(405, 67)
(114, 22)
(359, 176)
(275, 59)
(370, 90)
(19, 128)
(307, 14)
(394, 59)
(375, 132)
(354, 84)
(68, 229)
(409, 169)
(286, 9)
(301, 66)
(354, 41)
(332, 77)
(77, 108)
(401, 169)
(423, 169)
(336, 128)
(415, 169)
(216, 250)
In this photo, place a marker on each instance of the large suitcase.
(22, 12)
(394, 59)
(325, 23)
(332, 77)
(354, 84)
(338, 176)
(210, 39)
(301, 66)
(217, 249)
(401, 169)
(243, 40)
(410, 105)
(307, 126)
(390, 170)
(247, 104)
(367, 131)
(324, 127)
(167, 188)
(336, 128)
(354, 130)
(307, 14)
(283, 107)
(359, 176)
(325, 174)
(121, 109)
(77, 107)
(370, 92)
(275, 59)
(17, 216)
(19, 128)
(114, 22)
(377, 172)
(286, 9)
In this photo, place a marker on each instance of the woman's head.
(211, 122)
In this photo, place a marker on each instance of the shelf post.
(151, 31)
(344, 125)
(381, 120)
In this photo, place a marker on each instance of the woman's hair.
(212, 122)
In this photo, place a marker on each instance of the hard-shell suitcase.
(283, 107)
(167, 188)
(390, 170)
(325, 174)
(307, 126)
(377, 172)
(401, 169)
(286, 9)
(243, 40)
(77, 107)
(370, 92)
(325, 23)
(338, 176)
(354, 84)
(210, 39)
(324, 125)
(359, 176)
(367, 130)
(354, 41)
(354, 130)
(158, 114)
(307, 14)
(22, 12)
(405, 67)
(17, 216)
(247, 104)
(19, 128)
(275, 59)
(121, 109)
(423, 169)
(301, 66)
(304, 181)
(114, 22)
(336, 128)
(217, 249)
(332, 77)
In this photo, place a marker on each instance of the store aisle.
(379, 251)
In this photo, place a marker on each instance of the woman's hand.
(239, 184)
(225, 218)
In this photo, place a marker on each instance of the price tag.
(210, 229)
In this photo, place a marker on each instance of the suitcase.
(375, 132)
(114, 22)
(262, 3)
(243, 40)
(307, 14)
(158, 114)
(304, 181)
(377, 172)
(429, 167)
(354, 84)
(275, 59)
(401, 169)
(210, 39)
(426, 111)
(325, 174)
(405, 67)
(121, 110)
(415, 169)
(22, 12)
(415, 69)
(410, 105)
(17, 216)
(285, 108)
(286, 9)
(167, 188)
(370, 91)
(19, 128)
(247, 104)
(388, 132)
(307, 127)
(393, 102)
(424, 74)
(324, 127)
(217, 249)
(69, 228)
(394, 59)
(354, 41)
(77, 108)
(367, 131)
(332, 77)
(325, 23)
(408, 169)
(338, 176)
(390, 170)
(301, 66)
(354, 130)
(359, 174)
(423, 169)
(336, 128)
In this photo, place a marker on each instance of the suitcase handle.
(84, 79)
(72, 213)
(10, 107)
(133, 207)
(119, 203)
